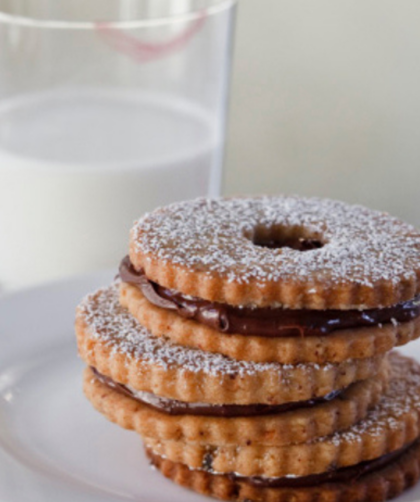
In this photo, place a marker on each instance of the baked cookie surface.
(113, 342)
(336, 347)
(392, 424)
(248, 251)
(377, 486)
(305, 422)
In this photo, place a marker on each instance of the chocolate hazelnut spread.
(266, 322)
(173, 407)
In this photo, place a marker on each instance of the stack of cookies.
(247, 341)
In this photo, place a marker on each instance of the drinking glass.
(108, 109)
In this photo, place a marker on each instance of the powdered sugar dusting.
(114, 325)
(402, 397)
(215, 235)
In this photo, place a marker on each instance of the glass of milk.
(108, 109)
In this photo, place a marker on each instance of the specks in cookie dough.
(114, 325)
(215, 236)
(402, 397)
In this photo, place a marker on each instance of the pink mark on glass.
(144, 52)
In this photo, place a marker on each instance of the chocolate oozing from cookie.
(174, 407)
(344, 475)
(265, 322)
(298, 244)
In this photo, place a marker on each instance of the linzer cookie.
(338, 346)
(393, 424)
(291, 252)
(280, 279)
(246, 341)
(373, 481)
(295, 422)
(113, 342)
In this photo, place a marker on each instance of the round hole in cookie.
(296, 238)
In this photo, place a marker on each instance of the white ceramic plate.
(53, 445)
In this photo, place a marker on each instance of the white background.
(326, 101)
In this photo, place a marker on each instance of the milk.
(77, 168)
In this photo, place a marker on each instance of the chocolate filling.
(299, 244)
(343, 475)
(174, 407)
(266, 322)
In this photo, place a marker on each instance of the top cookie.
(290, 252)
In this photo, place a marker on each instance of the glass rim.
(32, 22)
